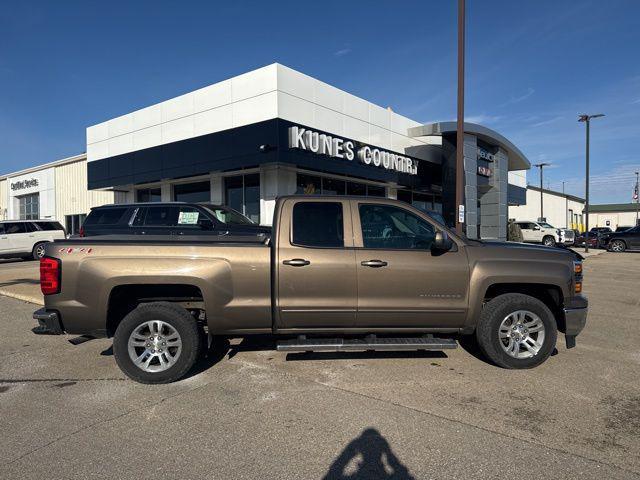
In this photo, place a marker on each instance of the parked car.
(594, 241)
(627, 240)
(339, 273)
(542, 232)
(26, 238)
(600, 230)
(168, 218)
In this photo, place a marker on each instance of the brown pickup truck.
(337, 273)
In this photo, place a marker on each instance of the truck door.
(401, 281)
(315, 262)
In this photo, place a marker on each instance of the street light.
(637, 198)
(566, 207)
(586, 119)
(541, 166)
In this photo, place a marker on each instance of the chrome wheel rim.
(616, 246)
(154, 346)
(548, 242)
(521, 334)
(40, 251)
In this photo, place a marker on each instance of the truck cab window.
(318, 224)
(386, 226)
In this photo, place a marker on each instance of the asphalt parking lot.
(251, 412)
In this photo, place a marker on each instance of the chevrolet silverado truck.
(337, 273)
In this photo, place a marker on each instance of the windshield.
(229, 216)
(545, 225)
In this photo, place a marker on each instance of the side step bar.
(370, 342)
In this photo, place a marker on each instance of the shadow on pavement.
(368, 456)
(20, 281)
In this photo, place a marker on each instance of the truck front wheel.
(516, 331)
(157, 342)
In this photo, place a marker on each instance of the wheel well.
(550, 295)
(124, 298)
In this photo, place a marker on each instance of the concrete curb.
(24, 298)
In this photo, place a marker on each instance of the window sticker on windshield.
(188, 218)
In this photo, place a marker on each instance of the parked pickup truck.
(337, 273)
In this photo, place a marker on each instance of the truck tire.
(617, 246)
(38, 251)
(157, 342)
(549, 241)
(516, 331)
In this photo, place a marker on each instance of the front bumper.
(48, 322)
(575, 319)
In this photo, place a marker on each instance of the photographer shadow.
(368, 457)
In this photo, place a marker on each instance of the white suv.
(542, 232)
(26, 238)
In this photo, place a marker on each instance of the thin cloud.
(483, 119)
(512, 100)
(342, 52)
(547, 122)
(635, 101)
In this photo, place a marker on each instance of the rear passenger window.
(48, 226)
(161, 217)
(318, 224)
(105, 216)
(18, 227)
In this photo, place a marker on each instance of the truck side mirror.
(536, 227)
(442, 241)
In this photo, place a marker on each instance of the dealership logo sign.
(489, 157)
(484, 171)
(22, 184)
(337, 147)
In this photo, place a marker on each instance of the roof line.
(55, 163)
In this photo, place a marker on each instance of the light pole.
(637, 196)
(587, 119)
(541, 166)
(460, 213)
(566, 207)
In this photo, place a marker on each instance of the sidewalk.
(592, 251)
(21, 279)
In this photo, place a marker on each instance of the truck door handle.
(374, 263)
(296, 262)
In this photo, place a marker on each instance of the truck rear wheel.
(157, 343)
(516, 331)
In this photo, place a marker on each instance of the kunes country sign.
(337, 147)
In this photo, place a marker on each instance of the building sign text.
(337, 147)
(22, 184)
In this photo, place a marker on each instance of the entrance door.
(316, 266)
(401, 281)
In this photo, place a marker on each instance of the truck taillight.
(81, 232)
(50, 275)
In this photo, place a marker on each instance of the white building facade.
(54, 191)
(275, 131)
(559, 209)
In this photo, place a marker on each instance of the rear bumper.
(48, 322)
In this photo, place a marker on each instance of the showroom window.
(149, 195)
(74, 222)
(29, 207)
(427, 202)
(317, 185)
(242, 193)
(192, 192)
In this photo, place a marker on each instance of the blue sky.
(532, 67)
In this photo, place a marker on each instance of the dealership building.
(270, 132)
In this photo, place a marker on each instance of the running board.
(370, 342)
